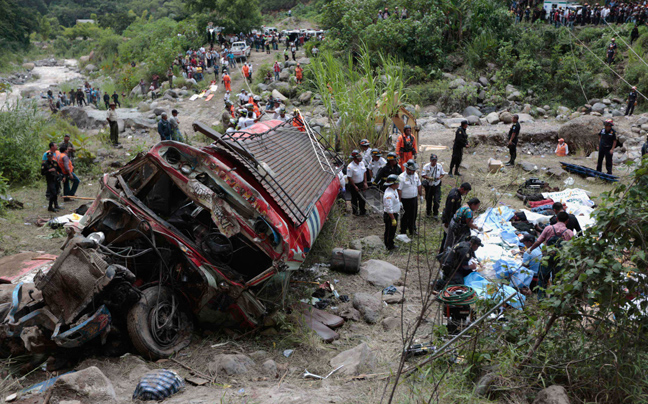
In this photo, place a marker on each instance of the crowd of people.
(385, 14)
(81, 96)
(612, 12)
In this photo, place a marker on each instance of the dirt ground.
(18, 232)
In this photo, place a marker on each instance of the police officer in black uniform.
(611, 51)
(513, 135)
(392, 167)
(632, 101)
(51, 171)
(607, 143)
(453, 203)
(461, 141)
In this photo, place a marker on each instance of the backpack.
(408, 144)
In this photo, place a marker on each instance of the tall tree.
(234, 15)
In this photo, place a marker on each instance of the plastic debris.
(314, 376)
(569, 181)
(288, 352)
(403, 238)
(390, 290)
(158, 385)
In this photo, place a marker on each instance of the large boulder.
(514, 96)
(582, 132)
(304, 61)
(380, 273)
(355, 361)
(369, 306)
(172, 93)
(284, 75)
(143, 106)
(457, 83)
(278, 96)
(282, 87)
(81, 118)
(525, 118)
(140, 123)
(305, 97)
(90, 68)
(231, 365)
(472, 111)
(552, 395)
(89, 385)
(28, 66)
(493, 118)
(506, 117)
(599, 107)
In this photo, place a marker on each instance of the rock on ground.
(493, 118)
(305, 97)
(231, 365)
(351, 314)
(88, 385)
(369, 306)
(391, 323)
(380, 273)
(356, 361)
(529, 167)
(81, 118)
(270, 368)
(397, 297)
(506, 117)
(582, 133)
(368, 243)
(277, 95)
(472, 111)
(552, 395)
(557, 172)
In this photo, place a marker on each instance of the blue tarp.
(490, 290)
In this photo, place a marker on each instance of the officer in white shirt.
(357, 176)
(248, 121)
(366, 151)
(409, 190)
(243, 97)
(377, 162)
(280, 115)
(342, 179)
(432, 174)
(231, 128)
(227, 96)
(391, 208)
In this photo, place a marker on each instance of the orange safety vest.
(298, 72)
(561, 150)
(246, 70)
(256, 110)
(297, 123)
(227, 79)
(232, 111)
(65, 170)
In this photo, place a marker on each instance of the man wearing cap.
(231, 126)
(391, 208)
(632, 101)
(366, 151)
(460, 141)
(228, 113)
(514, 134)
(607, 143)
(51, 171)
(243, 97)
(461, 223)
(409, 190)
(280, 114)
(70, 147)
(164, 127)
(377, 162)
(457, 264)
(299, 73)
(114, 127)
(406, 146)
(390, 168)
(432, 174)
(357, 176)
(453, 203)
(611, 51)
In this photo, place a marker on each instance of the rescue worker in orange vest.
(299, 73)
(246, 72)
(406, 146)
(297, 121)
(67, 169)
(255, 105)
(227, 82)
(562, 149)
(228, 113)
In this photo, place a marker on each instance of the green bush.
(22, 142)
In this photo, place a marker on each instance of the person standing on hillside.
(406, 146)
(634, 34)
(514, 134)
(357, 173)
(246, 72)
(460, 141)
(453, 203)
(115, 98)
(142, 85)
(106, 99)
(67, 169)
(390, 168)
(51, 171)
(299, 73)
(644, 148)
(391, 209)
(174, 122)
(611, 51)
(80, 96)
(409, 191)
(277, 69)
(164, 128)
(607, 143)
(432, 175)
(562, 149)
(293, 50)
(170, 77)
(227, 81)
(632, 101)
(112, 122)
(72, 97)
